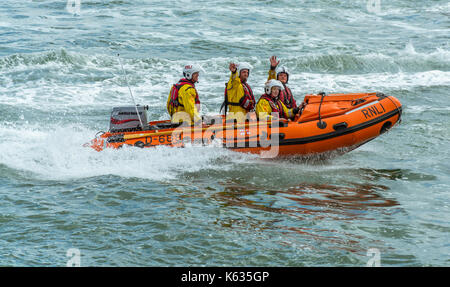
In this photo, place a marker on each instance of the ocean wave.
(65, 79)
(440, 8)
(384, 82)
(406, 60)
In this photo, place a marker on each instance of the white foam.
(413, 109)
(371, 82)
(439, 8)
(439, 55)
(68, 78)
(58, 154)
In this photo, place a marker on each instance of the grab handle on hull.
(340, 126)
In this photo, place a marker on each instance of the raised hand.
(273, 62)
(232, 67)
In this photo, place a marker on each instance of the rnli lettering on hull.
(373, 111)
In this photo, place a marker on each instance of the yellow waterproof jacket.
(286, 95)
(264, 108)
(186, 103)
(272, 75)
(235, 92)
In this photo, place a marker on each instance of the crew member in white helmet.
(270, 102)
(183, 96)
(282, 74)
(239, 98)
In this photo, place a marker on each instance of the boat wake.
(57, 153)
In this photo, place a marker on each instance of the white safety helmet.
(283, 69)
(243, 66)
(270, 84)
(189, 70)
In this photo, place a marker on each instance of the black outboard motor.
(125, 119)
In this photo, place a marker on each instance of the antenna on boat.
(131, 93)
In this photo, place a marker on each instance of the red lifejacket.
(176, 88)
(247, 101)
(276, 105)
(287, 98)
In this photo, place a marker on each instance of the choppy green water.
(59, 79)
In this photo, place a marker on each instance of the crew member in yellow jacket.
(282, 74)
(270, 103)
(183, 103)
(239, 98)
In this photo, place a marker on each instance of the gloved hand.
(273, 62)
(233, 67)
(299, 108)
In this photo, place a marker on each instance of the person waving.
(282, 74)
(239, 98)
(270, 102)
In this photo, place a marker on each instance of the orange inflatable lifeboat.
(333, 122)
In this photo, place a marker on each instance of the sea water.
(208, 206)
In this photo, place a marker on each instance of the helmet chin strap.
(191, 78)
(275, 98)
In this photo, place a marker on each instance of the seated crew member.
(239, 98)
(282, 75)
(183, 97)
(270, 102)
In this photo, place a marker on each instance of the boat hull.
(346, 121)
